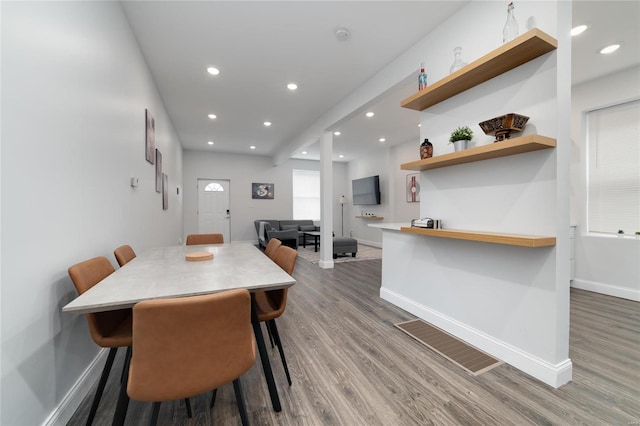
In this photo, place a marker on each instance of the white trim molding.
(608, 289)
(554, 375)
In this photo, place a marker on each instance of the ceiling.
(261, 46)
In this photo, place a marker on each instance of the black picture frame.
(262, 191)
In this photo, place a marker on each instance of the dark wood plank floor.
(351, 366)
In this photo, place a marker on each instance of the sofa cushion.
(307, 228)
(289, 227)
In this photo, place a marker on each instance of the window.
(306, 194)
(614, 168)
(213, 187)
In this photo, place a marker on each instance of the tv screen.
(366, 191)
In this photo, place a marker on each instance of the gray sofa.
(290, 232)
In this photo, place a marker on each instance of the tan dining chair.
(196, 239)
(272, 247)
(272, 303)
(190, 345)
(124, 254)
(110, 329)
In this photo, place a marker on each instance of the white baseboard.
(554, 375)
(369, 243)
(326, 264)
(609, 290)
(72, 400)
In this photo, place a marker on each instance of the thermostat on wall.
(134, 182)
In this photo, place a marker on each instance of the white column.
(326, 201)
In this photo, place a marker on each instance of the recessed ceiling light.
(578, 30)
(341, 156)
(369, 114)
(213, 70)
(292, 86)
(267, 123)
(419, 125)
(210, 142)
(610, 49)
(252, 147)
(304, 152)
(337, 133)
(212, 116)
(382, 139)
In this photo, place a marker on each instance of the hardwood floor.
(351, 366)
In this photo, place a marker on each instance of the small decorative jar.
(426, 149)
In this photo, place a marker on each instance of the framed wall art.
(413, 188)
(150, 137)
(262, 191)
(158, 171)
(165, 192)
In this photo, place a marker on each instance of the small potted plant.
(460, 138)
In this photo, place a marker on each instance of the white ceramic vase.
(460, 145)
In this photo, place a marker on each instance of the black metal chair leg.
(269, 333)
(101, 384)
(154, 413)
(264, 358)
(276, 337)
(128, 355)
(213, 398)
(123, 397)
(240, 401)
(188, 404)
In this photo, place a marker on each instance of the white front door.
(213, 207)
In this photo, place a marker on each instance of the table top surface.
(314, 233)
(164, 272)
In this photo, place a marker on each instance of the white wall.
(393, 205)
(74, 90)
(512, 302)
(604, 263)
(242, 170)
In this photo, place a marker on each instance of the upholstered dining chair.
(110, 329)
(272, 247)
(124, 254)
(272, 303)
(190, 345)
(195, 239)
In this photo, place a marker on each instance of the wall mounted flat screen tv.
(366, 191)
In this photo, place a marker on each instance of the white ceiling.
(260, 46)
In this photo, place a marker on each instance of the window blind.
(614, 168)
(306, 194)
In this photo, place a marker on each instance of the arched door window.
(213, 187)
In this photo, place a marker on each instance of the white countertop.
(389, 226)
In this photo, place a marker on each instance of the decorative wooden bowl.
(502, 126)
(199, 256)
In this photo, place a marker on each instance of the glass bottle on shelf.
(426, 149)
(457, 62)
(510, 30)
(422, 78)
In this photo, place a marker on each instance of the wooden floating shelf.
(531, 241)
(370, 217)
(505, 148)
(525, 48)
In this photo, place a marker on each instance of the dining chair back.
(272, 303)
(196, 239)
(190, 345)
(109, 329)
(272, 247)
(124, 254)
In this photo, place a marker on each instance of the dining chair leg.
(264, 358)
(123, 397)
(240, 401)
(213, 398)
(276, 337)
(101, 384)
(188, 404)
(269, 333)
(154, 413)
(128, 355)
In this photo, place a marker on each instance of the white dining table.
(164, 272)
